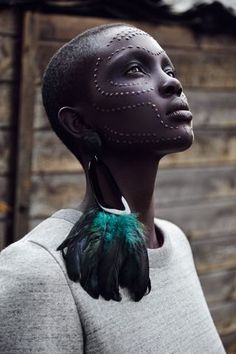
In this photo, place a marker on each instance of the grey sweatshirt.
(42, 311)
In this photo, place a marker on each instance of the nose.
(170, 86)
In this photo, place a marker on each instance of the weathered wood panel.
(224, 316)
(175, 187)
(25, 126)
(210, 109)
(229, 342)
(9, 75)
(214, 254)
(4, 225)
(5, 196)
(50, 193)
(210, 147)
(203, 220)
(7, 58)
(50, 155)
(51, 29)
(183, 187)
(9, 22)
(6, 149)
(219, 286)
(204, 69)
(7, 105)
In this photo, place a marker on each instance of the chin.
(173, 146)
(187, 140)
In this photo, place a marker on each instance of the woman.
(109, 277)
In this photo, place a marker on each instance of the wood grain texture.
(171, 35)
(210, 147)
(212, 108)
(3, 228)
(9, 22)
(51, 155)
(50, 193)
(203, 220)
(214, 254)
(5, 196)
(7, 140)
(229, 341)
(5, 232)
(204, 69)
(8, 103)
(183, 187)
(25, 126)
(224, 316)
(219, 286)
(8, 47)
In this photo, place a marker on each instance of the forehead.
(117, 39)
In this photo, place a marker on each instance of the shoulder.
(35, 256)
(175, 232)
(31, 270)
(35, 296)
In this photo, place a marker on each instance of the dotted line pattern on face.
(127, 34)
(118, 137)
(125, 84)
(120, 93)
(134, 106)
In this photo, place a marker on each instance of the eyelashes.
(170, 71)
(135, 70)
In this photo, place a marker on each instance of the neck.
(136, 180)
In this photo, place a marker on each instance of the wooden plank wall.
(196, 188)
(10, 34)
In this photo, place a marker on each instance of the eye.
(134, 69)
(171, 72)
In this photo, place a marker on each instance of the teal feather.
(105, 251)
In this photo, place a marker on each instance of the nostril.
(169, 90)
(179, 91)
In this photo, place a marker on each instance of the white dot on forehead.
(126, 34)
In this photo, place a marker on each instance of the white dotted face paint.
(131, 102)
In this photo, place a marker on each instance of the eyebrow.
(166, 61)
(137, 51)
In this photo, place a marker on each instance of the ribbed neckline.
(158, 257)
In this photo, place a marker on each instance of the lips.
(178, 106)
(179, 111)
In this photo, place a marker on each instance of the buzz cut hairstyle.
(61, 78)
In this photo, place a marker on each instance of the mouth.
(179, 111)
(181, 115)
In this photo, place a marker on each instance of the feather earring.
(106, 248)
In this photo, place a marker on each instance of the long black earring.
(106, 246)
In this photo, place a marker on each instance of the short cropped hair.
(61, 78)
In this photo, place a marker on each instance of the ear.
(71, 120)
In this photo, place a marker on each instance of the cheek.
(134, 124)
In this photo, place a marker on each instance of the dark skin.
(137, 106)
